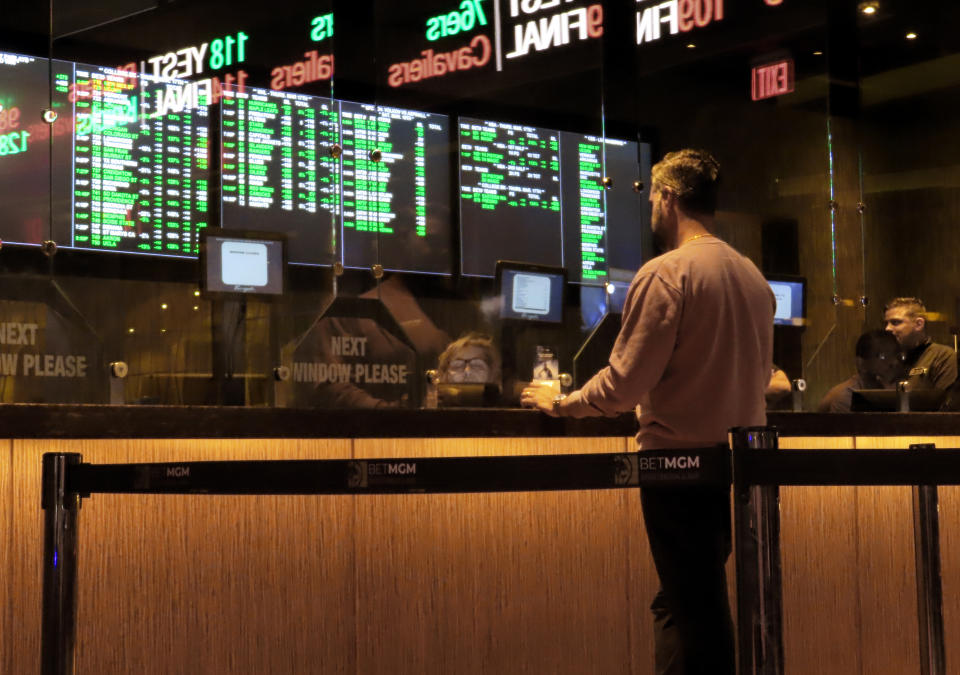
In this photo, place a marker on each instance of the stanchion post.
(903, 397)
(797, 387)
(926, 546)
(61, 510)
(757, 549)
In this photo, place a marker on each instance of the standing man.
(928, 365)
(694, 357)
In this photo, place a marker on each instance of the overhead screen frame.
(452, 232)
(440, 228)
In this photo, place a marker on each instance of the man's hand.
(539, 396)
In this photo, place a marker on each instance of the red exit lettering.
(772, 79)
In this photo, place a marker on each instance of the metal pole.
(797, 387)
(59, 565)
(903, 397)
(926, 546)
(757, 546)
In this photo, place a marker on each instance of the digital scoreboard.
(538, 196)
(123, 167)
(509, 195)
(278, 171)
(396, 188)
(35, 156)
(351, 182)
(355, 183)
(141, 174)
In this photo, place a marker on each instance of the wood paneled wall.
(482, 583)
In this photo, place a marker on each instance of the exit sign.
(771, 79)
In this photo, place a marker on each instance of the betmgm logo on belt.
(671, 466)
(372, 474)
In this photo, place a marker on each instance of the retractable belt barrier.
(759, 469)
(754, 470)
(67, 480)
(700, 466)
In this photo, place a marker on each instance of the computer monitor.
(236, 264)
(530, 292)
(790, 292)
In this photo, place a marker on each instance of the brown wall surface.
(479, 583)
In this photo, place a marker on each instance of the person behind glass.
(928, 365)
(470, 358)
(878, 367)
(693, 357)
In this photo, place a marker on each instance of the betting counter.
(530, 581)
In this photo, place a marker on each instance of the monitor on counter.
(530, 292)
(237, 264)
(888, 400)
(790, 292)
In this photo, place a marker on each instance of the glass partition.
(399, 163)
(908, 122)
(761, 103)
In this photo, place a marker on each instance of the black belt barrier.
(66, 480)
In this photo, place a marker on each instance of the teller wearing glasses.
(470, 358)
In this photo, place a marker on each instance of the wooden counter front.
(555, 582)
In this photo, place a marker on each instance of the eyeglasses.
(459, 365)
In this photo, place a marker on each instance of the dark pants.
(689, 534)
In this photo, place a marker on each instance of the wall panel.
(7, 528)
(494, 583)
(195, 584)
(820, 557)
(902, 550)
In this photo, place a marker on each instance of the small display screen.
(242, 263)
(530, 292)
(790, 302)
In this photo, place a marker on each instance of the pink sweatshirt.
(694, 353)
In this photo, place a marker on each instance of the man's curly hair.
(693, 176)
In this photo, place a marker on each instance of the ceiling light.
(818, 53)
(911, 35)
(691, 46)
(869, 8)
